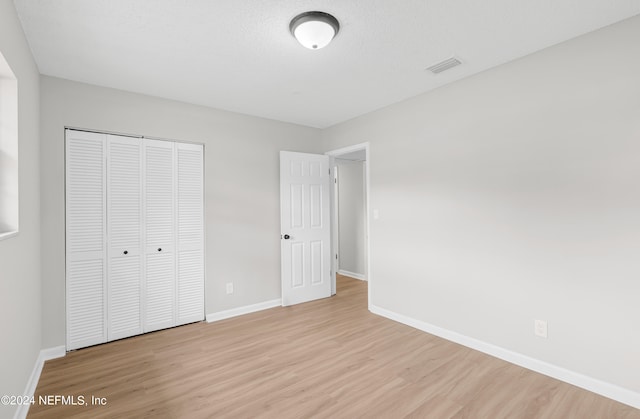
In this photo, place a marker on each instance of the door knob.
(125, 252)
(159, 249)
(287, 237)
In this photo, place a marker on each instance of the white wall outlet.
(229, 287)
(540, 328)
(376, 214)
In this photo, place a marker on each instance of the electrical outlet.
(540, 328)
(229, 287)
(376, 214)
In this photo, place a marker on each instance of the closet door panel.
(85, 239)
(86, 324)
(160, 293)
(159, 195)
(124, 297)
(190, 231)
(190, 286)
(124, 209)
(159, 222)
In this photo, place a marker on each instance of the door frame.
(333, 154)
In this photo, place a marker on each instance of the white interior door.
(190, 231)
(159, 216)
(124, 209)
(86, 237)
(305, 227)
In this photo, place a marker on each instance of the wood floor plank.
(329, 358)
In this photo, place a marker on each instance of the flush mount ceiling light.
(314, 30)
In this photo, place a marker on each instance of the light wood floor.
(328, 359)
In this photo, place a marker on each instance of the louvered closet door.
(159, 222)
(190, 230)
(85, 239)
(124, 209)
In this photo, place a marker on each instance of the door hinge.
(336, 256)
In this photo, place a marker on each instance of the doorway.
(350, 214)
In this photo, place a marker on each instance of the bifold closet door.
(134, 236)
(85, 239)
(190, 231)
(124, 209)
(159, 229)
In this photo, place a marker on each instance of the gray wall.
(20, 255)
(351, 217)
(514, 195)
(241, 186)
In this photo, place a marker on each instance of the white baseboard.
(350, 274)
(221, 315)
(44, 355)
(602, 388)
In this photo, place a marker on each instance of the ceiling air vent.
(444, 65)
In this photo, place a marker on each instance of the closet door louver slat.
(159, 214)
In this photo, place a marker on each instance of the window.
(8, 151)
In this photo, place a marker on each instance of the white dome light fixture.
(314, 30)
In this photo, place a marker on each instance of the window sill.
(8, 234)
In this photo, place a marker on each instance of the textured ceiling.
(238, 55)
